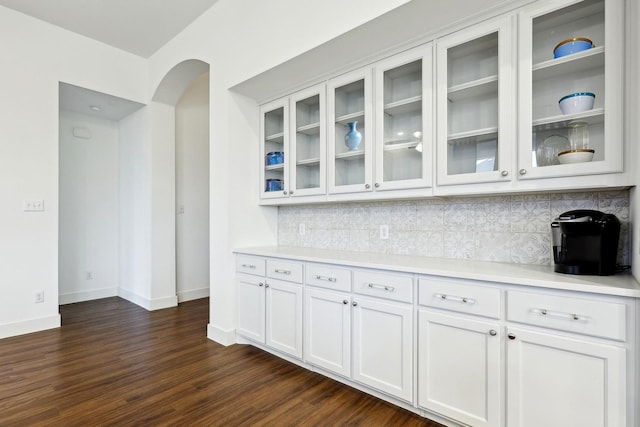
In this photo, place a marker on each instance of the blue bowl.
(274, 158)
(573, 45)
(274, 185)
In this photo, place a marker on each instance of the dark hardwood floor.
(114, 363)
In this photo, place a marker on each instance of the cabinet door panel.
(284, 317)
(459, 368)
(250, 303)
(327, 338)
(274, 138)
(555, 381)
(383, 346)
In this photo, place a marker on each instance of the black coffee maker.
(585, 242)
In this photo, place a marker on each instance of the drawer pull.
(548, 313)
(381, 287)
(464, 300)
(282, 271)
(326, 278)
(248, 266)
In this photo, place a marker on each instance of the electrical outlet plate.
(39, 297)
(301, 229)
(384, 232)
(33, 205)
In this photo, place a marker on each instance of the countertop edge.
(623, 284)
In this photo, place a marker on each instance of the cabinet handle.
(381, 287)
(548, 313)
(279, 271)
(493, 332)
(523, 171)
(326, 278)
(511, 336)
(367, 186)
(504, 173)
(376, 185)
(248, 266)
(260, 284)
(355, 304)
(345, 302)
(464, 300)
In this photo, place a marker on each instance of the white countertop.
(622, 284)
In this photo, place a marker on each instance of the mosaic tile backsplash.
(512, 228)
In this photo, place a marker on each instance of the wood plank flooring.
(113, 363)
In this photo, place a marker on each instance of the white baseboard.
(146, 303)
(89, 295)
(193, 294)
(29, 326)
(221, 336)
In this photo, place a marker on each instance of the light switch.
(33, 206)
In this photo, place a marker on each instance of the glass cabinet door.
(475, 107)
(274, 145)
(403, 110)
(308, 142)
(349, 138)
(571, 51)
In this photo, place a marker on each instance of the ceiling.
(137, 26)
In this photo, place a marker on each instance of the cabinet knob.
(355, 304)
(523, 171)
(260, 284)
(493, 333)
(511, 336)
(345, 302)
(367, 186)
(284, 192)
(377, 184)
(291, 192)
(266, 285)
(504, 173)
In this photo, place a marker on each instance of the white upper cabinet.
(350, 111)
(475, 104)
(404, 120)
(544, 130)
(307, 167)
(274, 149)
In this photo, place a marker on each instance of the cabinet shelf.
(279, 166)
(396, 145)
(483, 86)
(570, 64)
(308, 162)
(276, 137)
(404, 106)
(346, 118)
(561, 121)
(310, 129)
(350, 155)
(472, 135)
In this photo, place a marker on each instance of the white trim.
(225, 337)
(89, 295)
(148, 304)
(29, 326)
(193, 294)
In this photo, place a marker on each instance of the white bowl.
(576, 102)
(576, 156)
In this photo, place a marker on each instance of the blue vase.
(353, 137)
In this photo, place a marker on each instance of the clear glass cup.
(578, 135)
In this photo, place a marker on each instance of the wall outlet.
(88, 275)
(33, 205)
(384, 232)
(301, 229)
(181, 209)
(39, 297)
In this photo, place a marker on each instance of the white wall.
(35, 57)
(88, 209)
(192, 191)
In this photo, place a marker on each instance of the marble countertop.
(623, 284)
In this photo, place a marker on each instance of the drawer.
(328, 276)
(250, 265)
(389, 286)
(605, 319)
(291, 271)
(463, 297)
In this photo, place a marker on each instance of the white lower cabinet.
(327, 332)
(556, 381)
(383, 346)
(459, 368)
